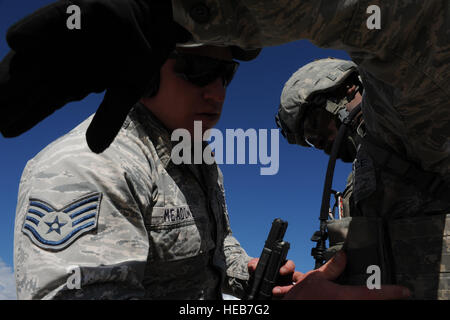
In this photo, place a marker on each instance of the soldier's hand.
(317, 285)
(287, 273)
(119, 47)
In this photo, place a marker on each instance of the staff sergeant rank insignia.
(55, 229)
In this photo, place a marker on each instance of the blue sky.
(293, 194)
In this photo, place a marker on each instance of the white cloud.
(7, 282)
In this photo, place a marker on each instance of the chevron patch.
(55, 229)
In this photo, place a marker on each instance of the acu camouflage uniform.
(405, 67)
(314, 86)
(136, 225)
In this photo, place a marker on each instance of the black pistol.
(272, 259)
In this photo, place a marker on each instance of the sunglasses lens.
(201, 71)
(229, 73)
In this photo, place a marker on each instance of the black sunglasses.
(201, 70)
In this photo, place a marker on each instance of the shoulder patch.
(55, 229)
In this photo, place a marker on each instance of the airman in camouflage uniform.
(135, 224)
(130, 223)
(405, 68)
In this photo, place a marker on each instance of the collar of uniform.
(160, 137)
(205, 173)
(155, 130)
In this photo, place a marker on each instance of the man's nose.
(215, 91)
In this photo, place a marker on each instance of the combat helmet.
(314, 84)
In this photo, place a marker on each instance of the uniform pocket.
(175, 233)
(364, 176)
(421, 249)
(337, 234)
(361, 238)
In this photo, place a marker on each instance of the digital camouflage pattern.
(405, 67)
(162, 230)
(307, 88)
(433, 233)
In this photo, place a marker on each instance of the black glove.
(120, 48)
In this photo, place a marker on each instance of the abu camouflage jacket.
(128, 222)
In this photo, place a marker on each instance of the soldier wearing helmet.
(314, 102)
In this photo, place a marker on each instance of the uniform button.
(200, 13)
